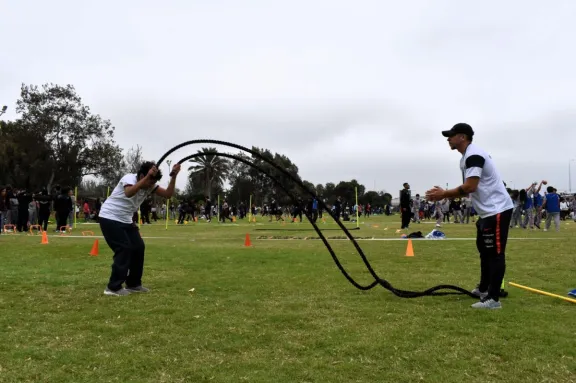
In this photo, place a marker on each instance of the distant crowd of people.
(21, 209)
(530, 208)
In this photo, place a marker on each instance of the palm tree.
(213, 169)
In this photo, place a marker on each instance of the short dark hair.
(145, 168)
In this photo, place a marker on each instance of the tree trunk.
(49, 186)
(207, 188)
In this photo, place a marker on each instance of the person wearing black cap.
(490, 199)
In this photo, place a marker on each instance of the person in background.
(552, 206)
(86, 211)
(63, 207)
(3, 207)
(24, 198)
(44, 202)
(405, 205)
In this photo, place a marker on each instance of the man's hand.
(152, 172)
(175, 170)
(435, 194)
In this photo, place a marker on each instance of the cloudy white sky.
(346, 89)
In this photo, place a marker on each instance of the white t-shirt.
(118, 207)
(491, 197)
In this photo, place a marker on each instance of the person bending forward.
(122, 234)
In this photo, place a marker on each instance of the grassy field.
(281, 311)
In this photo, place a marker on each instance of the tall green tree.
(213, 169)
(130, 163)
(24, 156)
(241, 185)
(79, 143)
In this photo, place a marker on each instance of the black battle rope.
(378, 280)
(294, 200)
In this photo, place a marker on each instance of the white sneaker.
(118, 293)
(479, 293)
(487, 304)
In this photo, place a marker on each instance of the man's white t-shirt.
(491, 196)
(118, 207)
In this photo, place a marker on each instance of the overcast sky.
(357, 89)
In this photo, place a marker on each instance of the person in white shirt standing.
(122, 234)
(494, 206)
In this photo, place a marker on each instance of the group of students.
(529, 208)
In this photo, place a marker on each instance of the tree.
(24, 156)
(320, 191)
(133, 159)
(387, 198)
(310, 186)
(90, 188)
(79, 143)
(214, 170)
(241, 185)
(130, 163)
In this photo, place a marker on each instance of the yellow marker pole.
(542, 292)
(75, 204)
(357, 206)
(167, 209)
(108, 192)
(250, 210)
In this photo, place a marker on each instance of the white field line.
(302, 239)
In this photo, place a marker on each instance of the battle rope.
(377, 280)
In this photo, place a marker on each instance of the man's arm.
(131, 190)
(474, 167)
(540, 186)
(168, 192)
(469, 186)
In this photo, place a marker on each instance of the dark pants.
(406, 215)
(43, 217)
(22, 224)
(314, 215)
(128, 247)
(61, 220)
(491, 238)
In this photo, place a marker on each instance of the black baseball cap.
(460, 128)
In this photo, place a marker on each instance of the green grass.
(281, 311)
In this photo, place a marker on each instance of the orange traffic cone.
(44, 238)
(409, 249)
(247, 242)
(94, 251)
